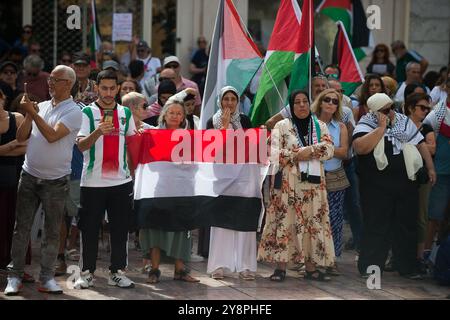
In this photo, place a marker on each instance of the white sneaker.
(196, 258)
(85, 280)
(120, 280)
(13, 287)
(50, 287)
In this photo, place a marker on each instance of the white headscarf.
(235, 120)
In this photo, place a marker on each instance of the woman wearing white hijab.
(385, 141)
(230, 249)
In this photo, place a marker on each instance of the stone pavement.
(347, 286)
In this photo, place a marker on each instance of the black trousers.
(117, 201)
(389, 218)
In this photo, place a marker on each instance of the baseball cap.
(8, 63)
(110, 64)
(143, 44)
(81, 58)
(170, 59)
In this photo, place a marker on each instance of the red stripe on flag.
(110, 164)
(238, 43)
(212, 146)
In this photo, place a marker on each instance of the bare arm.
(49, 133)
(430, 142)
(270, 124)
(342, 151)
(13, 148)
(24, 130)
(85, 143)
(423, 150)
(365, 144)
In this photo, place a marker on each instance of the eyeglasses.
(423, 107)
(333, 100)
(32, 74)
(141, 50)
(55, 80)
(387, 110)
(66, 60)
(172, 66)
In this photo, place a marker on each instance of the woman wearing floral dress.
(297, 228)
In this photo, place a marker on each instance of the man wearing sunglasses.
(8, 74)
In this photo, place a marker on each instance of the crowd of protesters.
(378, 159)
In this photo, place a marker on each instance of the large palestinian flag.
(187, 179)
(287, 61)
(233, 61)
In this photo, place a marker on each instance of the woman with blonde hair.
(328, 109)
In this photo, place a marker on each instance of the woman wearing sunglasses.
(384, 142)
(328, 108)
(417, 107)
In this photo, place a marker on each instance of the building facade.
(172, 26)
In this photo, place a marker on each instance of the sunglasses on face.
(423, 107)
(332, 100)
(32, 74)
(387, 110)
(172, 66)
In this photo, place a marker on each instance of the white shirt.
(52, 161)
(97, 171)
(151, 64)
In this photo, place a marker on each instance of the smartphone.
(108, 116)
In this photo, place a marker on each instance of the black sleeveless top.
(9, 136)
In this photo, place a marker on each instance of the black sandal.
(317, 275)
(153, 276)
(278, 275)
(183, 275)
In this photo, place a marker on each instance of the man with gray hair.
(51, 128)
(35, 78)
(413, 75)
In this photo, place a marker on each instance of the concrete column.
(27, 14)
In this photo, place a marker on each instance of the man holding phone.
(51, 128)
(106, 181)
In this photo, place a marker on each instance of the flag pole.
(264, 62)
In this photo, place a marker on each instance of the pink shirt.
(153, 110)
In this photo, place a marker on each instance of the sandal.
(183, 275)
(73, 255)
(317, 275)
(153, 276)
(278, 275)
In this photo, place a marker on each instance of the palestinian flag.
(344, 57)
(185, 180)
(94, 35)
(351, 13)
(288, 55)
(233, 61)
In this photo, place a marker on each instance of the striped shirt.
(105, 163)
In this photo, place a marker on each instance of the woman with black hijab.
(297, 228)
(166, 89)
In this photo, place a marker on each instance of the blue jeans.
(352, 205)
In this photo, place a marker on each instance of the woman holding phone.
(385, 142)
